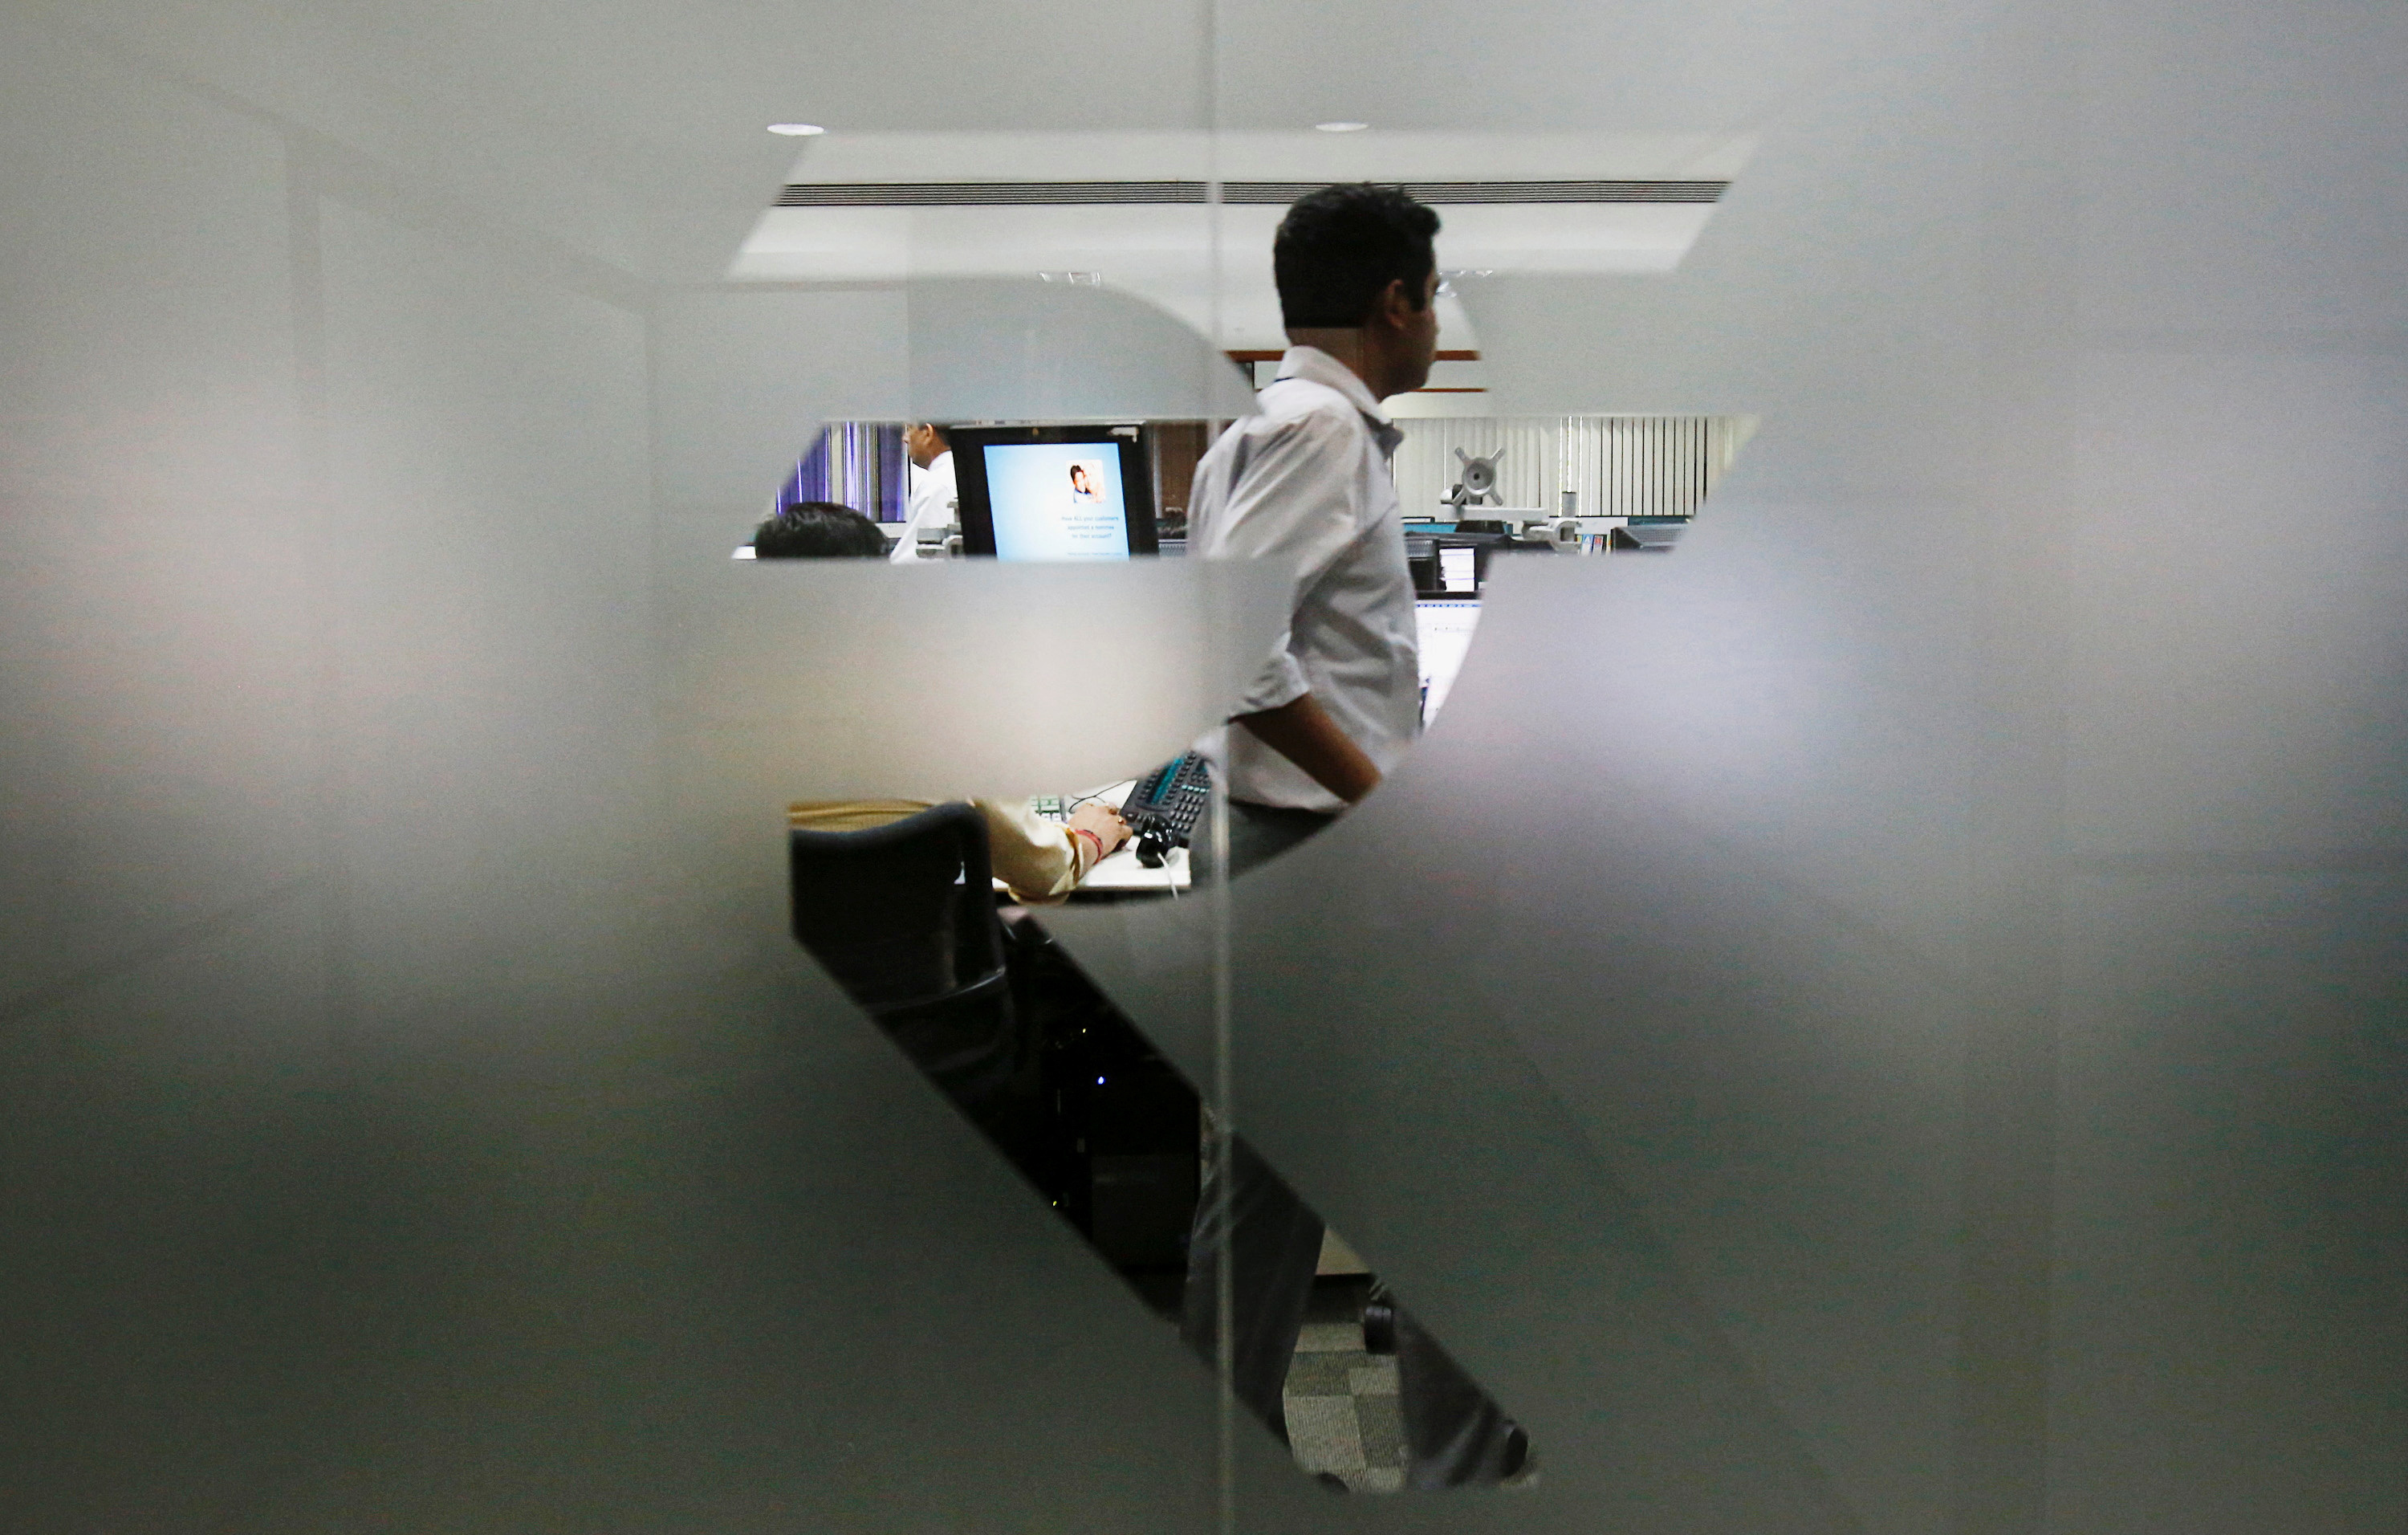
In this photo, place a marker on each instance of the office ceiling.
(635, 132)
(1129, 210)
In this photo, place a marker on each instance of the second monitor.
(1054, 493)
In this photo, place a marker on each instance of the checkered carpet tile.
(1342, 1409)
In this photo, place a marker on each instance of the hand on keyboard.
(1102, 819)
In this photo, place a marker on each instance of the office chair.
(903, 916)
(1005, 1024)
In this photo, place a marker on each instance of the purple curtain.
(854, 464)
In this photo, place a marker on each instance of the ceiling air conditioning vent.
(1067, 193)
(1462, 193)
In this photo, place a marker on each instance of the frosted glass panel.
(745, 379)
(854, 678)
(154, 759)
(2232, 1120)
(1747, 889)
(2262, 489)
(416, 1110)
(1886, 1019)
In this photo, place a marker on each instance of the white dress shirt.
(1307, 480)
(931, 504)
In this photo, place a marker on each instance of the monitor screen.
(1443, 630)
(1055, 493)
(1056, 501)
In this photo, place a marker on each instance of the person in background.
(818, 530)
(1039, 861)
(933, 492)
(1306, 481)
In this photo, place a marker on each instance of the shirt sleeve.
(1039, 860)
(1289, 499)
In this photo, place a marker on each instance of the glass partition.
(1870, 1001)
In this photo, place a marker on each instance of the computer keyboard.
(1165, 805)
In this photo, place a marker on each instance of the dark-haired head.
(925, 442)
(818, 530)
(1339, 249)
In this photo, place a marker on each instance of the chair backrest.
(901, 914)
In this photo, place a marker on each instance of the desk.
(1121, 874)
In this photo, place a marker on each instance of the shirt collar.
(1315, 366)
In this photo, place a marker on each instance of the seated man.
(818, 530)
(1037, 860)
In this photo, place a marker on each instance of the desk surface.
(1121, 873)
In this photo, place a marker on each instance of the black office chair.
(1007, 1026)
(903, 916)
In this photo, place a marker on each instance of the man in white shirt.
(1307, 480)
(933, 493)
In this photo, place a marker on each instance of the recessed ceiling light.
(1342, 127)
(797, 130)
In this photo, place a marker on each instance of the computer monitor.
(1442, 630)
(1054, 493)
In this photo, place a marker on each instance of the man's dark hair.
(818, 530)
(1340, 248)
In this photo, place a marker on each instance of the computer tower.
(1126, 1125)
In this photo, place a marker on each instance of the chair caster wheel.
(1380, 1325)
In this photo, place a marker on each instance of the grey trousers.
(1455, 1432)
(1257, 834)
